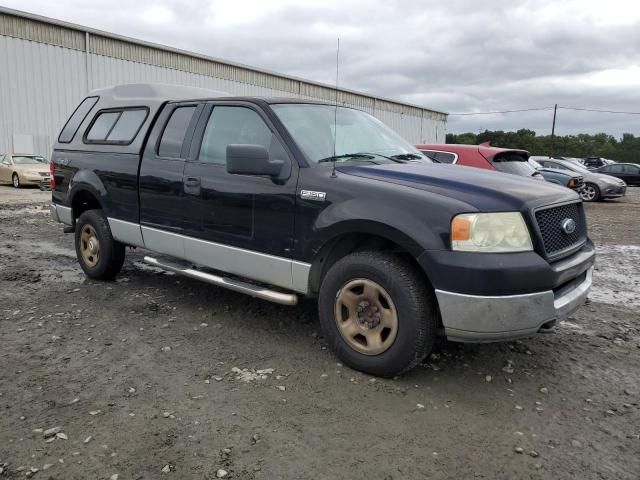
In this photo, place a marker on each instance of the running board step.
(232, 284)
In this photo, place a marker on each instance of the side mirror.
(252, 160)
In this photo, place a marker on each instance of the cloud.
(457, 56)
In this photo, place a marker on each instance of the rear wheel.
(590, 193)
(15, 180)
(377, 313)
(99, 255)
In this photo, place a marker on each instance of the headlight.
(490, 232)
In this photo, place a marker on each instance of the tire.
(15, 180)
(99, 255)
(590, 193)
(402, 291)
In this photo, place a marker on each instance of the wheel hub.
(368, 315)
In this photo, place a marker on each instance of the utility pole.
(553, 132)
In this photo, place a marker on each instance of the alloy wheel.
(588, 193)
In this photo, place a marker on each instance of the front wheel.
(377, 313)
(99, 255)
(15, 179)
(590, 193)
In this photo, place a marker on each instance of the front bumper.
(472, 318)
(484, 298)
(613, 191)
(34, 179)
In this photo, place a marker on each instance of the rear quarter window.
(77, 117)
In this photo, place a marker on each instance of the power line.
(582, 109)
(503, 111)
(599, 111)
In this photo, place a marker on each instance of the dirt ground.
(145, 378)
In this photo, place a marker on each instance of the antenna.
(335, 114)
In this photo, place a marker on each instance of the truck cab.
(282, 198)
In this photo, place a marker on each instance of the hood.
(485, 190)
(603, 177)
(563, 172)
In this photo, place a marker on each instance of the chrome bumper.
(61, 214)
(472, 318)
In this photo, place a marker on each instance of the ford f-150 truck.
(282, 198)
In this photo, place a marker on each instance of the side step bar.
(232, 284)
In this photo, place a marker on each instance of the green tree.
(626, 149)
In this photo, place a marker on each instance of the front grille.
(579, 182)
(554, 239)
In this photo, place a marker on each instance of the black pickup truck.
(281, 198)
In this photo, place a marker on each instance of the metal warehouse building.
(48, 66)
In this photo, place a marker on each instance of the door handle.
(192, 182)
(192, 186)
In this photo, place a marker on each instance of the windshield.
(28, 160)
(575, 167)
(534, 164)
(514, 163)
(316, 127)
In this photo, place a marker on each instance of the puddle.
(18, 212)
(616, 278)
(28, 247)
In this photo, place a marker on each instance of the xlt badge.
(312, 195)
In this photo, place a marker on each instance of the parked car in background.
(566, 178)
(485, 156)
(628, 172)
(24, 169)
(593, 163)
(597, 186)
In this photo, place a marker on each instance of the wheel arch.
(361, 236)
(83, 199)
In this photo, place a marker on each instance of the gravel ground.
(158, 376)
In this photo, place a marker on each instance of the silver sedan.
(597, 186)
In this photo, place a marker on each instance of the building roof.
(119, 40)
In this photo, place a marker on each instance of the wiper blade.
(406, 156)
(393, 158)
(344, 156)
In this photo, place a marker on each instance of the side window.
(174, 132)
(71, 127)
(445, 157)
(430, 153)
(440, 157)
(117, 127)
(235, 125)
(558, 166)
(102, 126)
(127, 126)
(615, 168)
(633, 169)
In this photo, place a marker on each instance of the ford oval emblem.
(568, 226)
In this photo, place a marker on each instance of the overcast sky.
(449, 55)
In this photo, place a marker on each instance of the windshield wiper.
(336, 158)
(406, 156)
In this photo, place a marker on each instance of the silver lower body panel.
(474, 318)
(61, 214)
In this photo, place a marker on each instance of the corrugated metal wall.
(47, 68)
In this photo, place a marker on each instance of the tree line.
(626, 149)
